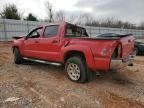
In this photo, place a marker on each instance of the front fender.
(18, 44)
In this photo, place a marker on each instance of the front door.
(31, 43)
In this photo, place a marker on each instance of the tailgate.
(127, 45)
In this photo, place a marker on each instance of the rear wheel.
(17, 56)
(76, 69)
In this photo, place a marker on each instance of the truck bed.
(103, 37)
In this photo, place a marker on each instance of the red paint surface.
(46, 49)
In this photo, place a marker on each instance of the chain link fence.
(10, 28)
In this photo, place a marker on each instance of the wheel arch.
(14, 47)
(85, 52)
(73, 53)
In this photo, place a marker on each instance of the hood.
(18, 37)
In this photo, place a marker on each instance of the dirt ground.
(33, 85)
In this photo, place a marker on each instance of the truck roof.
(50, 24)
(63, 23)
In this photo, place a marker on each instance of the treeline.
(115, 24)
(11, 12)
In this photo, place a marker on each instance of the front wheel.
(76, 69)
(17, 56)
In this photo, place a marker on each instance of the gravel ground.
(34, 85)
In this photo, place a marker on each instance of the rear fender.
(85, 50)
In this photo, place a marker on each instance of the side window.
(51, 31)
(35, 33)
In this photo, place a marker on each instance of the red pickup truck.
(70, 45)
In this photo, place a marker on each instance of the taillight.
(104, 52)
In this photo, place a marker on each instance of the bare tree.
(60, 16)
(50, 12)
(141, 26)
(72, 18)
(83, 19)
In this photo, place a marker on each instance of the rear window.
(51, 31)
(75, 31)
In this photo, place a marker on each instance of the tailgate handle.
(55, 41)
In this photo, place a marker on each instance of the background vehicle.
(139, 46)
(69, 44)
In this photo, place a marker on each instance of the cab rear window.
(75, 31)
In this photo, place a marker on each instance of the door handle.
(36, 42)
(55, 41)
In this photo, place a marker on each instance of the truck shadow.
(115, 77)
(55, 71)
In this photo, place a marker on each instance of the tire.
(76, 69)
(17, 56)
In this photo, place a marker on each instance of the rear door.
(50, 44)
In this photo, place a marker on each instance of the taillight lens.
(104, 52)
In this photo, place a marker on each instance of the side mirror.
(26, 37)
(35, 36)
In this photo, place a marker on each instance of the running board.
(42, 61)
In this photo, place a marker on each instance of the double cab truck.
(69, 45)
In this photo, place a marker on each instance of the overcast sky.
(127, 10)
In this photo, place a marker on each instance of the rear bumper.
(121, 63)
